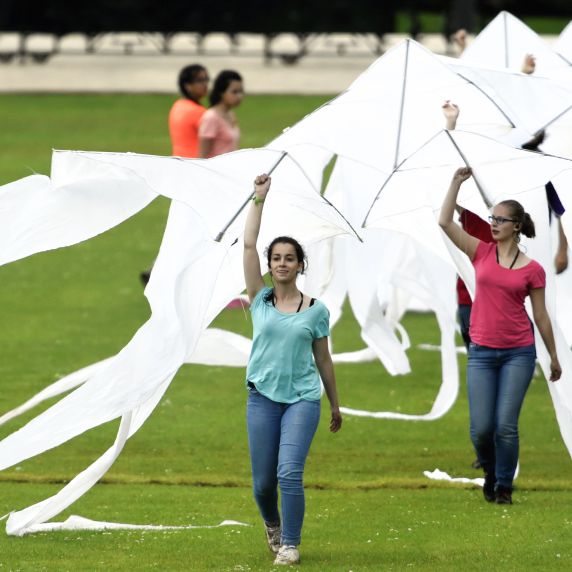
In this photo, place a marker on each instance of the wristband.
(257, 200)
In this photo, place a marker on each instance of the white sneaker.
(287, 555)
(273, 537)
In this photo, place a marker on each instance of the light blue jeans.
(497, 381)
(279, 438)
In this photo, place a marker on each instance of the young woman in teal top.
(290, 347)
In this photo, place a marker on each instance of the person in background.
(218, 131)
(186, 113)
(184, 120)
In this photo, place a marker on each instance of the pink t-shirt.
(498, 317)
(224, 136)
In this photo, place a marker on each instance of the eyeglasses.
(201, 80)
(500, 219)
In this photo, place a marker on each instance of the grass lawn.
(369, 507)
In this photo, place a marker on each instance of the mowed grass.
(369, 507)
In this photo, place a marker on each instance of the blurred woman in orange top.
(186, 114)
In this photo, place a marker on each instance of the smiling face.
(284, 264)
(507, 229)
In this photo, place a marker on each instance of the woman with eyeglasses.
(502, 354)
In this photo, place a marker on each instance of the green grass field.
(369, 507)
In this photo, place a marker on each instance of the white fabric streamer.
(75, 522)
(131, 383)
(373, 129)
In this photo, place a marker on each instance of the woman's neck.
(222, 108)
(507, 247)
(286, 291)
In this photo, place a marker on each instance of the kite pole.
(397, 144)
(505, 26)
(220, 235)
(479, 187)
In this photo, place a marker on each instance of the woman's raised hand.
(450, 110)
(261, 186)
(462, 174)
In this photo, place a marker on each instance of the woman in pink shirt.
(502, 353)
(218, 130)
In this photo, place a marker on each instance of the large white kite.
(388, 120)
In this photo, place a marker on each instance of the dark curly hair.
(300, 256)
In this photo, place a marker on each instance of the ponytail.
(518, 213)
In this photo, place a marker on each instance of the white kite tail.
(26, 521)
(64, 384)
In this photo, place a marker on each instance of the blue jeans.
(497, 381)
(279, 438)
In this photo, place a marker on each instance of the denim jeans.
(497, 381)
(279, 438)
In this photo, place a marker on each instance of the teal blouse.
(281, 364)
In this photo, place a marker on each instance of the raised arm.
(461, 239)
(251, 260)
(542, 321)
(528, 64)
(451, 113)
(326, 369)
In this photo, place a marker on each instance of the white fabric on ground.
(438, 475)
(75, 522)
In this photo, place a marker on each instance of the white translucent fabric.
(395, 106)
(563, 45)
(499, 172)
(374, 127)
(75, 522)
(518, 94)
(131, 383)
(505, 42)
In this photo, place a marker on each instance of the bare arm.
(326, 369)
(461, 239)
(561, 260)
(542, 321)
(205, 147)
(251, 260)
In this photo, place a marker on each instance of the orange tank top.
(184, 119)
